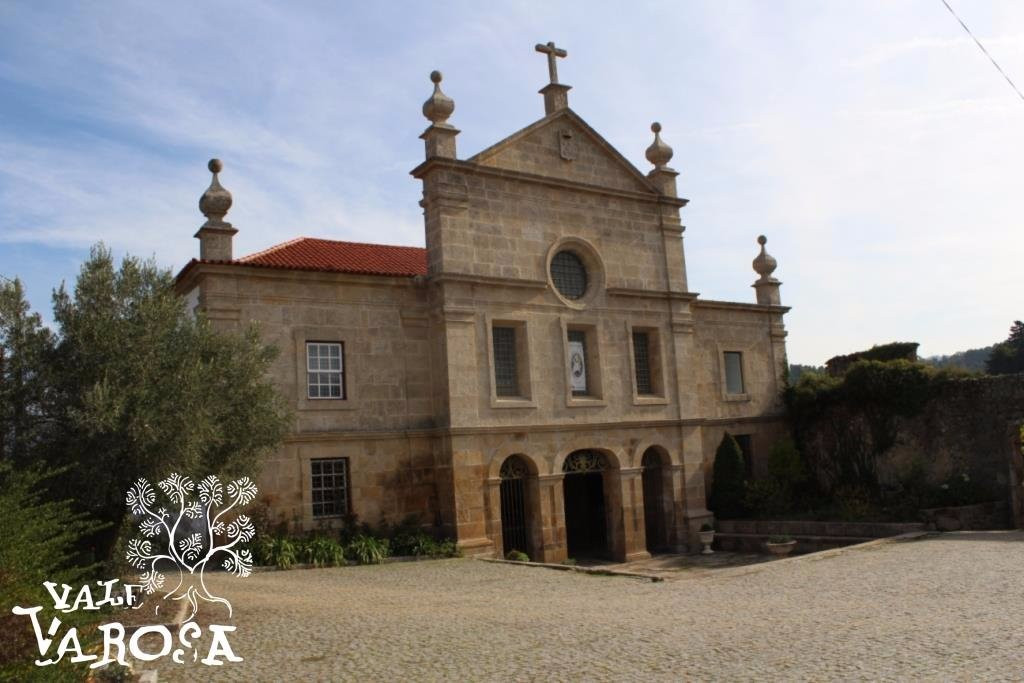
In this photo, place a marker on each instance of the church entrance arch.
(515, 516)
(583, 490)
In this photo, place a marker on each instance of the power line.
(982, 48)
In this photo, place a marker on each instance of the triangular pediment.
(562, 145)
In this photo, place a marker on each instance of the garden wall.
(965, 431)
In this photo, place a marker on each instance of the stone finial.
(439, 137)
(438, 106)
(765, 264)
(766, 286)
(215, 235)
(216, 201)
(658, 153)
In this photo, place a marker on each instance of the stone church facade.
(540, 377)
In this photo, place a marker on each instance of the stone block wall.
(969, 426)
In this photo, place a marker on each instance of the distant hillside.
(972, 359)
(796, 369)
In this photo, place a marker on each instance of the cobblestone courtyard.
(949, 607)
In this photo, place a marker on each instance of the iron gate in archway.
(514, 527)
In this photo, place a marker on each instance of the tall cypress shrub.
(727, 488)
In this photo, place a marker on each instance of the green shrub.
(37, 544)
(785, 465)
(777, 494)
(367, 550)
(362, 548)
(274, 552)
(448, 548)
(855, 504)
(727, 489)
(416, 543)
(321, 551)
(765, 498)
(705, 527)
(517, 556)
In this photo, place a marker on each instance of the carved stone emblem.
(567, 144)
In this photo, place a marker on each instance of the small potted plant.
(707, 537)
(780, 545)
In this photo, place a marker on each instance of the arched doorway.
(515, 522)
(654, 499)
(583, 489)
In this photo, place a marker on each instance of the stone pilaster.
(439, 141)
(678, 536)
(695, 512)
(632, 543)
(664, 179)
(551, 499)
(471, 493)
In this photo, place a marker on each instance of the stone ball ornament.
(438, 106)
(764, 264)
(658, 153)
(216, 201)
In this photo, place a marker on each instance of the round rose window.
(569, 275)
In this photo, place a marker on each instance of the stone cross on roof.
(552, 52)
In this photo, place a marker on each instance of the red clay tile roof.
(333, 256)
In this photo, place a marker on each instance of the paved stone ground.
(672, 567)
(944, 608)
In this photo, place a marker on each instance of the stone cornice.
(651, 293)
(740, 306)
(346, 435)
(197, 269)
(488, 280)
(469, 167)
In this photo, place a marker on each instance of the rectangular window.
(506, 374)
(330, 486)
(733, 372)
(578, 362)
(325, 370)
(642, 363)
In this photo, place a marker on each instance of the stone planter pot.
(780, 549)
(707, 538)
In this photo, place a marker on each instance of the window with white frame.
(733, 372)
(325, 370)
(329, 486)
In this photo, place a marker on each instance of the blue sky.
(871, 142)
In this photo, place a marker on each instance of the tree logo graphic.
(200, 532)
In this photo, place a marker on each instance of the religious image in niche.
(577, 367)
